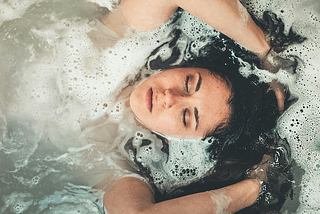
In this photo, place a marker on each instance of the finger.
(278, 90)
(280, 99)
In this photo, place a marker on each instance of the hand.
(273, 62)
(279, 92)
(259, 171)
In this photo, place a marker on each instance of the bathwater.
(63, 129)
(300, 123)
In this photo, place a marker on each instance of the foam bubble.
(299, 123)
(54, 83)
(13, 9)
(110, 4)
(17, 202)
(187, 160)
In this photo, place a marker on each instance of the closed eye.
(184, 117)
(187, 83)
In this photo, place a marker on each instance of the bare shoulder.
(128, 192)
(129, 185)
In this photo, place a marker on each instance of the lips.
(149, 99)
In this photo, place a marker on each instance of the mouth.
(149, 96)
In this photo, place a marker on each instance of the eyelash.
(184, 117)
(187, 83)
(185, 110)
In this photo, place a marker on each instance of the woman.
(189, 104)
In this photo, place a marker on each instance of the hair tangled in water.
(248, 134)
(254, 109)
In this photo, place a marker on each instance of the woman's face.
(182, 102)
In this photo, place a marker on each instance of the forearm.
(225, 200)
(236, 197)
(131, 196)
(227, 16)
(230, 18)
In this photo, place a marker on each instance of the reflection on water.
(52, 81)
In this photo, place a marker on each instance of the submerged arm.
(133, 196)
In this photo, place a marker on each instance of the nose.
(170, 98)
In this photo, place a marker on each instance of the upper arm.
(227, 16)
(147, 14)
(131, 195)
(128, 195)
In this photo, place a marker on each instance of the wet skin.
(182, 102)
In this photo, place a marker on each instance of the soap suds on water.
(54, 82)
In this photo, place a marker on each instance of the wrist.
(264, 54)
(262, 47)
(255, 186)
(220, 199)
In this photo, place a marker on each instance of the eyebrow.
(199, 82)
(196, 116)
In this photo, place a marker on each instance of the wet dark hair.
(254, 108)
(241, 142)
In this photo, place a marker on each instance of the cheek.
(136, 103)
(157, 123)
(165, 124)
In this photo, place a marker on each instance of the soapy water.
(299, 124)
(54, 83)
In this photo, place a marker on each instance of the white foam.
(56, 81)
(299, 124)
(221, 200)
(16, 202)
(110, 4)
(187, 161)
(13, 9)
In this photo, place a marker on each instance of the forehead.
(187, 70)
(212, 104)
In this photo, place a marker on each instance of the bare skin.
(132, 196)
(192, 99)
(229, 17)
